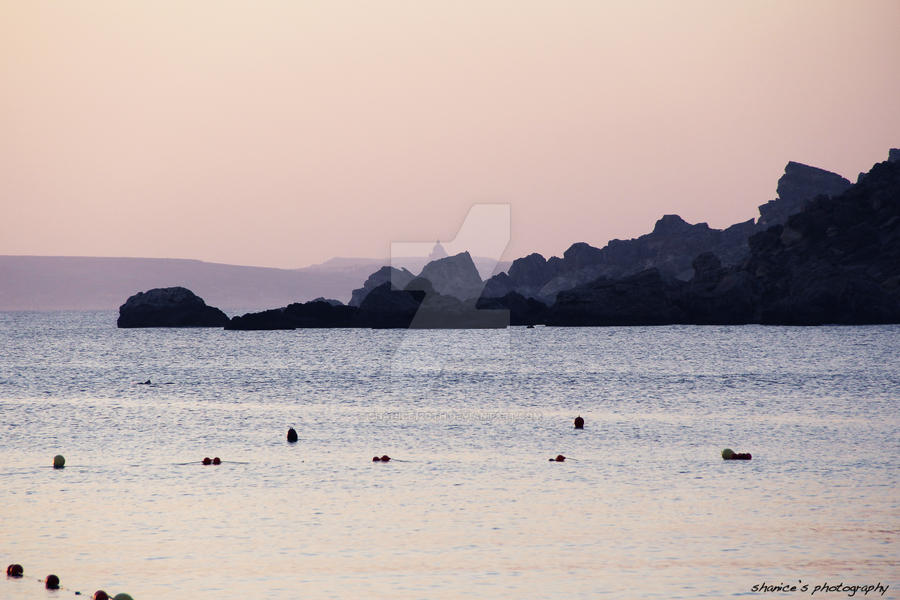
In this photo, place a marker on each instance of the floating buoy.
(217, 461)
(52, 582)
(100, 595)
(729, 454)
(59, 461)
(579, 423)
(122, 597)
(292, 435)
(207, 461)
(14, 571)
(385, 458)
(559, 458)
(376, 459)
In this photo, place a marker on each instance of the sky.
(282, 134)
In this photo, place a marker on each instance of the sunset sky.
(285, 133)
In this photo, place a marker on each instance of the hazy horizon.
(284, 134)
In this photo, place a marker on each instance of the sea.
(470, 506)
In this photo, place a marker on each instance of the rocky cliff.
(836, 261)
(670, 248)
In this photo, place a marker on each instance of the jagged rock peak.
(673, 225)
(454, 276)
(398, 278)
(801, 183)
(894, 155)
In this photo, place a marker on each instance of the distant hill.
(97, 283)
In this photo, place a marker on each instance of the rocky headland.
(824, 251)
(837, 261)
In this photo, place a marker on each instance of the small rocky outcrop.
(398, 278)
(169, 307)
(313, 314)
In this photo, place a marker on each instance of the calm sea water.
(471, 508)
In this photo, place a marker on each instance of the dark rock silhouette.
(522, 311)
(169, 307)
(799, 184)
(330, 301)
(670, 248)
(398, 278)
(454, 276)
(313, 314)
(384, 307)
(837, 261)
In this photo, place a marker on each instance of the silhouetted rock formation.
(169, 307)
(522, 310)
(399, 278)
(330, 301)
(670, 248)
(313, 314)
(417, 307)
(454, 276)
(836, 261)
(389, 308)
(799, 184)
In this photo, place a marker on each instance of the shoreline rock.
(169, 307)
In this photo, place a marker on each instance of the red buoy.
(207, 461)
(217, 461)
(385, 458)
(376, 459)
(52, 582)
(14, 571)
(100, 595)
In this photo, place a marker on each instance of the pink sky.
(285, 133)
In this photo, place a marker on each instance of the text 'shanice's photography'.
(444, 300)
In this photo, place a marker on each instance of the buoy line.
(51, 582)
